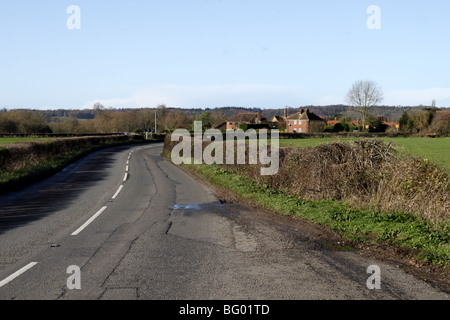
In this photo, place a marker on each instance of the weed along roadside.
(360, 190)
(27, 162)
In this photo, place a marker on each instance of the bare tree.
(98, 108)
(161, 113)
(363, 95)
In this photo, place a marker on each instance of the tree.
(403, 121)
(341, 126)
(217, 118)
(363, 95)
(161, 112)
(206, 120)
(422, 119)
(98, 108)
(441, 123)
(376, 124)
(315, 126)
(8, 126)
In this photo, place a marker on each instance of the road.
(138, 227)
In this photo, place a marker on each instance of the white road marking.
(125, 177)
(89, 221)
(126, 168)
(117, 192)
(17, 273)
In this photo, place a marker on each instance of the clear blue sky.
(214, 53)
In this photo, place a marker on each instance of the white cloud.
(260, 96)
(329, 100)
(418, 97)
(276, 96)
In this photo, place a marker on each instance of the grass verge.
(427, 242)
(4, 141)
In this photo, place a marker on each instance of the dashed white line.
(117, 192)
(125, 177)
(126, 168)
(89, 221)
(17, 273)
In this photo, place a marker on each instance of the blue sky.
(214, 53)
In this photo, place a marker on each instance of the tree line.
(99, 119)
(102, 120)
(426, 121)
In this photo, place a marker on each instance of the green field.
(436, 150)
(14, 140)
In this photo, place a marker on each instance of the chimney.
(285, 112)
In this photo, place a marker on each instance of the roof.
(221, 126)
(390, 124)
(311, 116)
(277, 118)
(332, 122)
(245, 117)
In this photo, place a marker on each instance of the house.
(244, 118)
(335, 121)
(301, 121)
(332, 122)
(222, 126)
(277, 122)
(391, 125)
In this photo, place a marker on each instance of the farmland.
(436, 150)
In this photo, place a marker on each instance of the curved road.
(138, 227)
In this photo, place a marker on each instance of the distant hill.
(392, 113)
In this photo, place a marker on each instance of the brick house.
(241, 118)
(301, 121)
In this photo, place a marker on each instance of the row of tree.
(105, 120)
(426, 121)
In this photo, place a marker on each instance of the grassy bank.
(4, 141)
(426, 241)
(27, 162)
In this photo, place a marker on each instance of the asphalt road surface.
(125, 223)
